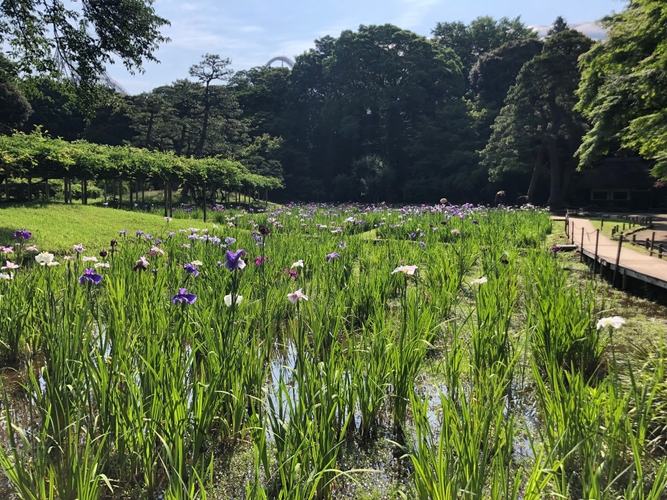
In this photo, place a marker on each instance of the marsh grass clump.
(286, 355)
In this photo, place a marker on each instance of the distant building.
(619, 183)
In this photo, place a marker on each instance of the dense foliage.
(47, 38)
(538, 125)
(35, 155)
(622, 91)
(382, 113)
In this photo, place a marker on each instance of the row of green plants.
(36, 155)
(142, 366)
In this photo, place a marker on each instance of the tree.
(211, 68)
(496, 71)
(558, 26)
(45, 37)
(372, 105)
(262, 96)
(14, 108)
(622, 90)
(56, 107)
(538, 125)
(483, 35)
(492, 76)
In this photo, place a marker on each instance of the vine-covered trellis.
(36, 156)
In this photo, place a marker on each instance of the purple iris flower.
(183, 297)
(264, 230)
(233, 260)
(332, 256)
(140, 233)
(91, 277)
(191, 269)
(422, 244)
(22, 234)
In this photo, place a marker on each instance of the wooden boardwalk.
(630, 263)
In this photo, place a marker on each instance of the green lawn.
(56, 227)
(609, 224)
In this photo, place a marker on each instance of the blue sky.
(250, 32)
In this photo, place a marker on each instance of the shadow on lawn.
(7, 236)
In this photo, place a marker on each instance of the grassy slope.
(57, 227)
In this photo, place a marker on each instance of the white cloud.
(592, 30)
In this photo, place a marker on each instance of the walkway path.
(634, 264)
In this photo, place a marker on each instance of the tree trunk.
(171, 212)
(555, 201)
(534, 179)
(7, 188)
(204, 196)
(131, 206)
(166, 200)
(29, 189)
(204, 128)
(143, 193)
(84, 192)
(46, 189)
(120, 194)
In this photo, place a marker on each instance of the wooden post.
(572, 233)
(46, 189)
(130, 185)
(648, 243)
(601, 222)
(29, 189)
(618, 258)
(143, 192)
(84, 192)
(581, 252)
(171, 208)
(204, 193)
(660, 251)
(652, 243)
(120, 194)
(595, 258)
